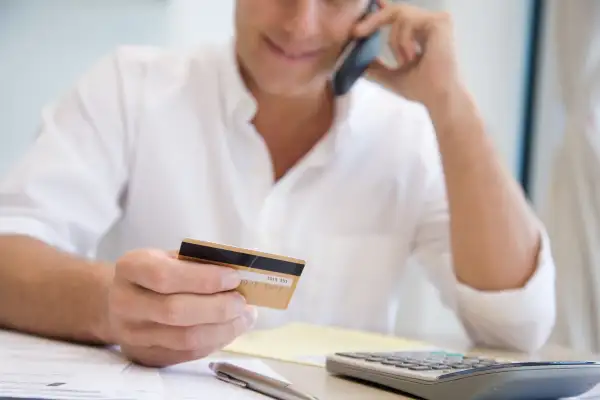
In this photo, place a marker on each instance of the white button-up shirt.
(153, 147)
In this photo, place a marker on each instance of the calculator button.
(403, 365)
(428, 364)
(424, 373)
(394, 358)
(406, 365)
(419, 368)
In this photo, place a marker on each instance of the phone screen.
(356, 58)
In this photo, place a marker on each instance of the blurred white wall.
(46, 44)
(192, 21)
(492, 43)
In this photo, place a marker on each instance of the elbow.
(534, 329)
(527, 337)
(523, 326)
(533, 338)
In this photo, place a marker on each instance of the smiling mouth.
(291, 55)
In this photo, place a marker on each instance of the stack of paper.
(35, 368)
(310, 344)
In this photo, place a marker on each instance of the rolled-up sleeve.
(520, 319)
(66, 189)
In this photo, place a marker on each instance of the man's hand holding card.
(164, 311)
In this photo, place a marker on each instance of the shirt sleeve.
(66, 189)
(520, 319)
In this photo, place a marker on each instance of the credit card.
(268, 280)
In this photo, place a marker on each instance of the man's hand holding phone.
(164, 311)
(423, 45)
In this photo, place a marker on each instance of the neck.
(291, 125)
(289, 113)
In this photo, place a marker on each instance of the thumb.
(378, 71)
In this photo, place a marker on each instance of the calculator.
(442, 375)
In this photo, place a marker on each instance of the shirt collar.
(238, 101)
(240, 105)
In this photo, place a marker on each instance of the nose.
(303, 18)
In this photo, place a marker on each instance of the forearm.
(46, 292)
(495, 236)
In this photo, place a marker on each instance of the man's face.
(291, 46)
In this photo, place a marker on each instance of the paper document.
(32, 367)
(195, 381)
(310, 344)
(37, 368)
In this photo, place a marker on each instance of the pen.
(259, 383)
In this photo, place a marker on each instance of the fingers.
(163, 273)
(405, 41)
(164, 310)
(198, 340)
(379, 71)
(397, 51)
(158, 357)
(408, 22)
(374, 21)
(131, 302)
(403, 44)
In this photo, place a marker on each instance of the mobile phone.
(356, 58)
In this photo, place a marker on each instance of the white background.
(45, 44)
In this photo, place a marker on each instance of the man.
(248, 147)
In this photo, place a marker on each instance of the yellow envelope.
(310, 344)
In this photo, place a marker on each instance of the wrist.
(102, 329)
(450, 106)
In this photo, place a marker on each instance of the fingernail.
(250, 315)
(241, 305)
(231, 280)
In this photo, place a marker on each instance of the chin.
(268, 74)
